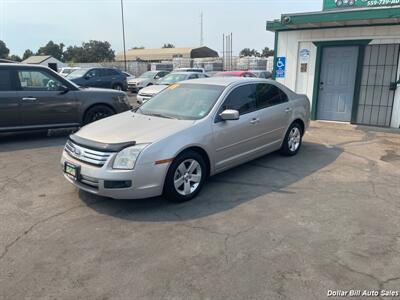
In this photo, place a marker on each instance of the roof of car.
(222, 81)
(19, 65)
(183, 73)
(233, 72)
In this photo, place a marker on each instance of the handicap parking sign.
(280, 67)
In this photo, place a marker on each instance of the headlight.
(126, 158)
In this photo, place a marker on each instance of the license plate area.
(72, 170)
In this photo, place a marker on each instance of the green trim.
(275, 54)
(318, 64)
(357, 86)
(307, 20)
(317, 78)
(342, 43)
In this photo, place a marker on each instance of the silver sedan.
(189, 131)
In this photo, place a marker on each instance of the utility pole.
(123, 32)
(201, 30)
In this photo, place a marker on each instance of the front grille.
(92, 182)
(90, 156)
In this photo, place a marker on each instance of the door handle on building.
(29, 99)
(255, 121)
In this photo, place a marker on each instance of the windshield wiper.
(161, 116)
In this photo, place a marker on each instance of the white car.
(128, 76)
(197, 70)
(67, 70)
(148, 92)
(146, 79)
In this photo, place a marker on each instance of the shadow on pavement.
(270, 173)
(26, 140)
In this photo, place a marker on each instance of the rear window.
(5, 80)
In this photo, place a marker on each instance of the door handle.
(29, 99)
(255, 121)
(288, 110)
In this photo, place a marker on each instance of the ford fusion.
(189, 131)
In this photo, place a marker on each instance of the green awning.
(332, 19)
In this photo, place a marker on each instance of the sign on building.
(280, 67)
(346, 4)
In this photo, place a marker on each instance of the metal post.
(231, 51)
(123, 32)
(223, 52)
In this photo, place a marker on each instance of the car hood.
(129, 127)
(153, 89)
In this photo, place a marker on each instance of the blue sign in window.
(280, 67)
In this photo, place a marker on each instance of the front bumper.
(147, 179)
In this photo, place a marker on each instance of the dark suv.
(36, 97)
(107, 78)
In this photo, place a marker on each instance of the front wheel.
(185, 177)
(293, 139)
(96, 113)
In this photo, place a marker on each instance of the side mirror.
(157, 77)
(229, 115)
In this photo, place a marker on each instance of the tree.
(248, 52)
(53, 49)
(28, 53)
(15, 58)
(169, 45)
(92, 51)
(266, 52)
(140, 47)
(4, 51)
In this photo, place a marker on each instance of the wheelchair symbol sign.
(280, 67)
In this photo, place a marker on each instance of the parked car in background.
(211, 73)
(36, 97)
(235, 74)
(108, 78)
(148, 92)
(128, 76)
(67, 70)
(174, 141)
(261, 74)
(197, 70)
(146, 79)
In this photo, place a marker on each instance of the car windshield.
(183, 101)
(148, 75)
(77, 73)
(172, 78)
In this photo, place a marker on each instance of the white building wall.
(291, 42)
(53, 60)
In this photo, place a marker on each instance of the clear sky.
(150, 23)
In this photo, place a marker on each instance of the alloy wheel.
(187, 177)
(294, 139)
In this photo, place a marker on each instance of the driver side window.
(38, 81)
(242, 99)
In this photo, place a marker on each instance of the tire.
(96, 113)
(117, 87)
(182, 184)
(293, 140)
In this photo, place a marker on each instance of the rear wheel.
(185, 177)
(293, 139)
(96, 113)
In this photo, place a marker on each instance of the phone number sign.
(346, 4)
